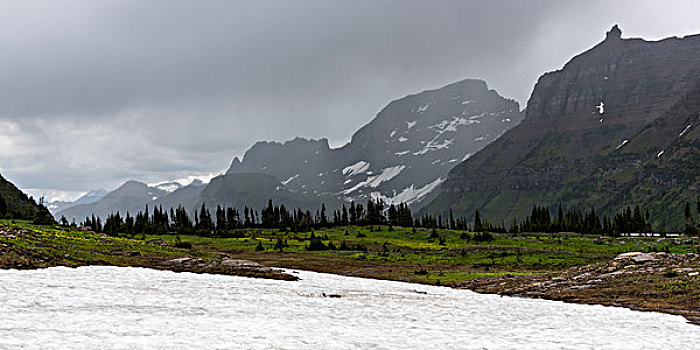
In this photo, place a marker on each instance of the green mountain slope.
(15, 204)
(591, 137)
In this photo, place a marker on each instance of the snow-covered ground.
(128, 308)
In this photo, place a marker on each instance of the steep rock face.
(575, 145)
(400, 156)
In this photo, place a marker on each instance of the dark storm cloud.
(96, 92)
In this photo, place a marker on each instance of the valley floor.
(563, 266)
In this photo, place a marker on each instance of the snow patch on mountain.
(409, 195)
(451, 125)
(357, 168)
(424, 107)
(685, 130)
(374, 181)
(622, 144)
(285, 182)
(434, 146)
(411, 124)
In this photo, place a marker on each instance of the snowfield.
(136, 308)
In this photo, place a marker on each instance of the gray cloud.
(96, 92)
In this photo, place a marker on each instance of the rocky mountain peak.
(614, 33)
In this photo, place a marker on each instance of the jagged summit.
(402, 155)
(614, 33)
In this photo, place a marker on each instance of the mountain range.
(402, 155)
(616, 126)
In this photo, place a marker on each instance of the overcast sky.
(96, 92)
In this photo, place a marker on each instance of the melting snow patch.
(409, 195)
(154, 198)
(402, 139)
(347, 181)
(685, 130)
(436, 161)
(660, 153)
(467, 156)
(601, 107)
(434, 146)
(137, 308)
(393, 133)
(482, 138)
(507, 120)
(622, 144)
(466, 102)
(285, 182)
(424, 107)
(401, 153)
(374, 181)
(357, 168)
(453, 160)
(451, 125)
(411, 124)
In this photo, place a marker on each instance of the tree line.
(227, 220)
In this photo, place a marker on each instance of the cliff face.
(586, 133)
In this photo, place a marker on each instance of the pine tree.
(689, 224)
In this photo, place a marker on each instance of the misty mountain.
(402, 155)
(132, 196)
(614, 127)
(90, 197)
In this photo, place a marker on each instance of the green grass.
(26, 245)
(399, 253)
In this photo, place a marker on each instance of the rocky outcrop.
(585, 138)
(225, 266)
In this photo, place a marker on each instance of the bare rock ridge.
(596, 133)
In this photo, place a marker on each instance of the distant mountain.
(90, 197)
(402, 155)
(235, 190)
(15, 204)
(614, 127)
(132, 196)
